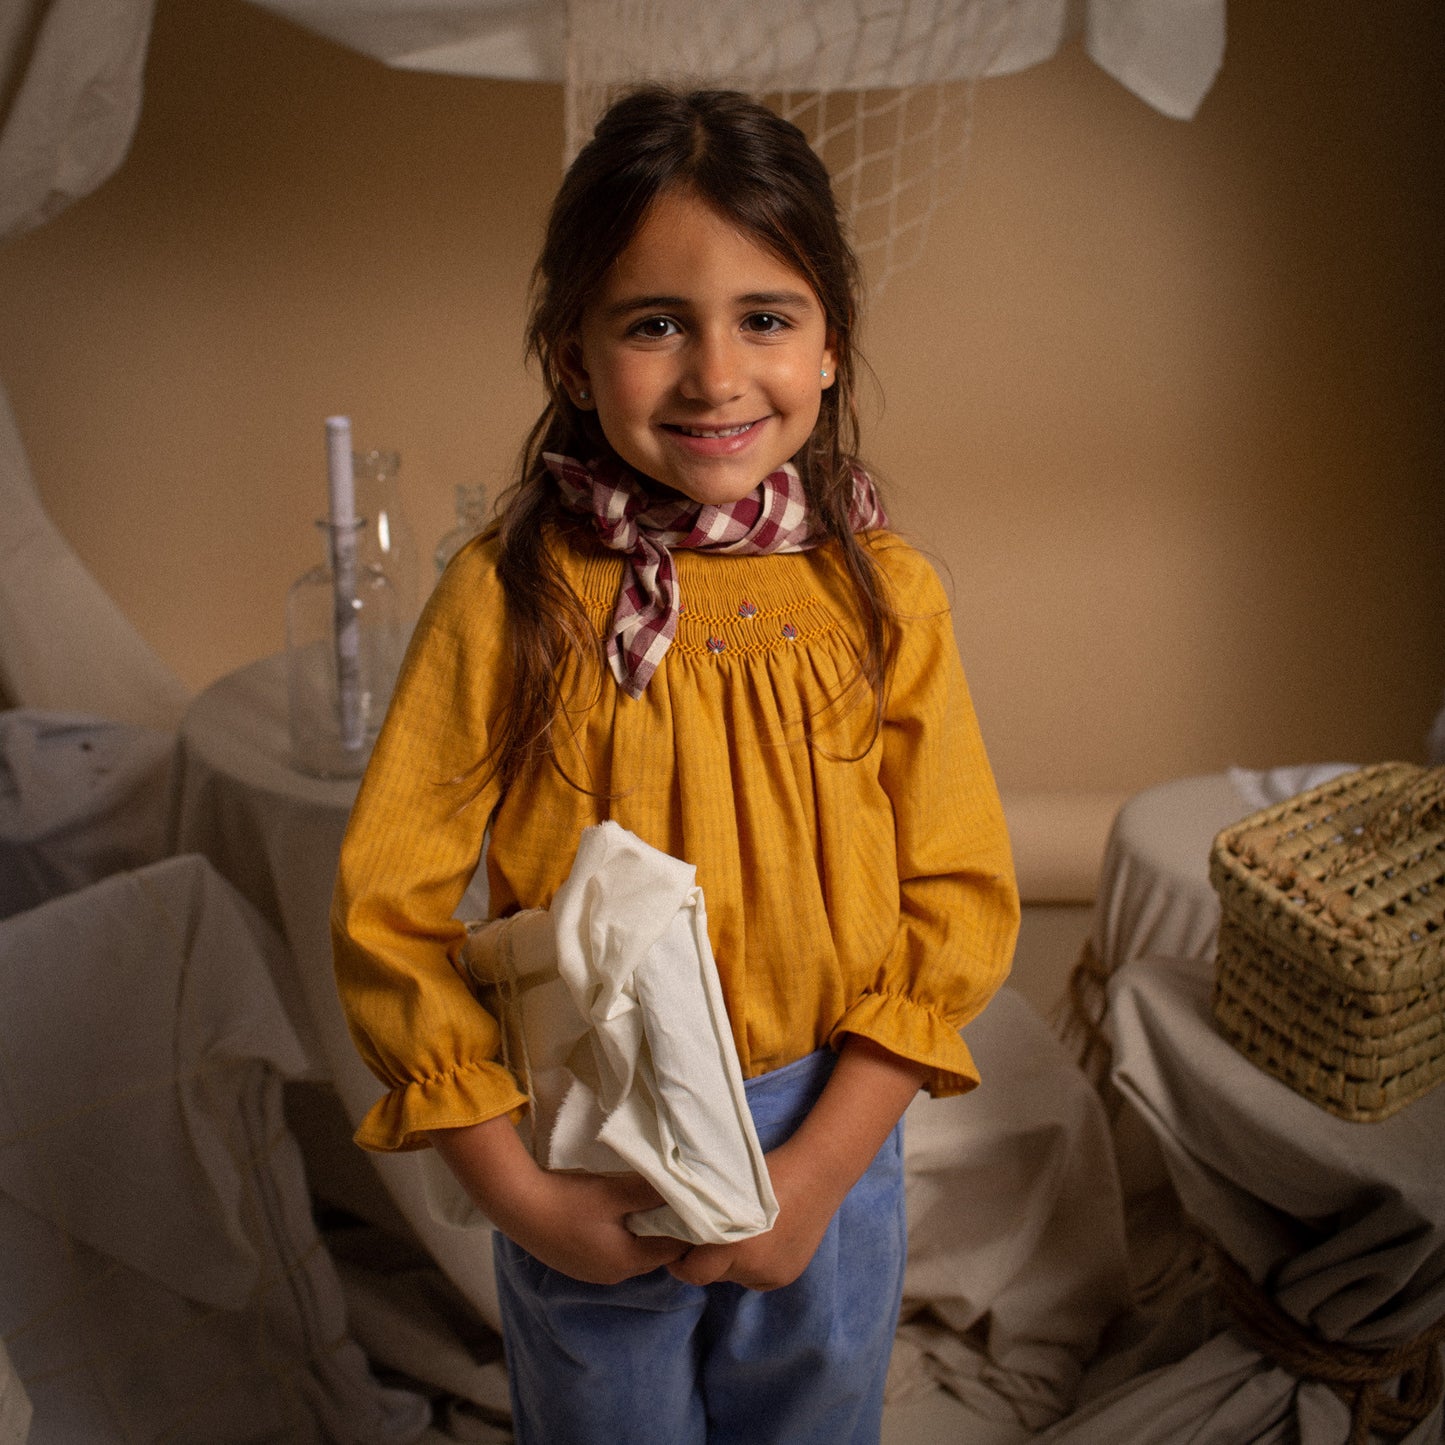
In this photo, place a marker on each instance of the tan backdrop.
(1163, 398)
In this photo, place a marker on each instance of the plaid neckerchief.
(646, 528)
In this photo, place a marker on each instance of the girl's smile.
(704, 354)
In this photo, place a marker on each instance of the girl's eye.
(655, 328)
(765, 322)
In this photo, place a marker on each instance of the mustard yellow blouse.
(855, 883)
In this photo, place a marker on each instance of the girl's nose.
(713, 372)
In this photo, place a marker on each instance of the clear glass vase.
(471, 518)
(388, 540)
(344, 642)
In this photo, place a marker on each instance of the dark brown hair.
(759, 172)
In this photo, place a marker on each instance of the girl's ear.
(829, 362)
(574, 374)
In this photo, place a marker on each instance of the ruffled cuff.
(468, 1095)
(915, 1032)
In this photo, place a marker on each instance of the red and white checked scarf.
(646, 528)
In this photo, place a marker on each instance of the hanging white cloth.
(64, 644)
(1167, 52)
(616, 1016)
(72, 72)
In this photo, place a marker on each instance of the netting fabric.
(883, 89)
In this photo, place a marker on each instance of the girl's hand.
(577, 1228)
(777, 1258)
(572, 1223)
(814, 1170)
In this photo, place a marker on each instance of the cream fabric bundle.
(615, 1021)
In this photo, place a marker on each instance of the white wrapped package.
(615, 1019)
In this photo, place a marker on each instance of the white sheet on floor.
(617, 1017)
(163, 1276)
(1016, 1253)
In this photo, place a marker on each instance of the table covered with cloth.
(275, 834)
(1332, 1292)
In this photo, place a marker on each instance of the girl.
(691, 619)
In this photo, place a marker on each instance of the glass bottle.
(344, 642)
(471, 518)
(388, 540)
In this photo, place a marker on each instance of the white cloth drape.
(64, 644)
(1016, 1247)
(1342, 1223)
(72, 70)
(617, 1013)
(80, 798)
(163, 1275)
(1166, 51)
(15, 1408)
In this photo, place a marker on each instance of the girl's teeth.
(727, 431)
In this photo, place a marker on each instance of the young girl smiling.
(692, 619)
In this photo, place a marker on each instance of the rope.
(1083, 1017)
(1358, 1374)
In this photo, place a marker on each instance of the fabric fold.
(907, 1028)
(447, 1101)
(615, 1020)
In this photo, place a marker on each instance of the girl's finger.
(705, 1264)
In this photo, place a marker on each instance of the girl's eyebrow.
(630, 304)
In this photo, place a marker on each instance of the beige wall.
(1163, 397)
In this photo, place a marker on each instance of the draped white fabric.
(1343, 1224)
(613, 997)
(64, 644)
(80, 798)
(1016, 1248)
(72, 72)
(1166, 51)
(163, 1276)
(16, 1411)
(1155, 899)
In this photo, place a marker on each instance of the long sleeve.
(411, 847)
(956, 902)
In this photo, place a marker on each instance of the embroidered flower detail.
(790, 633)
(716, 644)
(747, 609)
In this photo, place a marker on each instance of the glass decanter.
(344, 643)
(471, 518)
(388, 540)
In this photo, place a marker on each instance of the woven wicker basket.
(1331, 965)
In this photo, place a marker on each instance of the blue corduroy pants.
(654, 1361)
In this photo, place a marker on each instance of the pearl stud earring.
(584, 395)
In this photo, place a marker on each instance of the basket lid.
(1361, 857)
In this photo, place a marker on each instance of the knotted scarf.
(646, 528)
